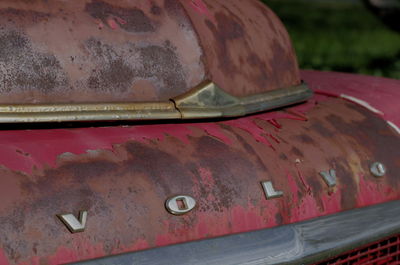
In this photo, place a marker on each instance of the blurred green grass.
(339, 36)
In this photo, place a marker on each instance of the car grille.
(385, 251)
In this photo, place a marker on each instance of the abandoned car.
(183, 132)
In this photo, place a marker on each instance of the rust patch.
(129, 19)
(319, 127)
(173, 7)
(282, 62)
(283, 157)
(248, 51)
(14, 15)
(279, 219)
(155, 9)
(148, 56)
(26, 69)
(163, 63)
(372, 132)
(348, 182)
(304, 138)
(316, 189)
(227, 30)
(260, 77)
(226, 191)
(124, 189)
(157, 62)
(296, 151)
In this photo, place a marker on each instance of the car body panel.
(122, 175)
(122, 51)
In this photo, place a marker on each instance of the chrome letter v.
(74, 225)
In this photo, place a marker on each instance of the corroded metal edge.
(205, 101)
(302, 243)
(208, 100)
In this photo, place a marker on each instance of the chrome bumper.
(300, 243)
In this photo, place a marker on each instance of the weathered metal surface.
(210, 101)
(380, 95)
(111, 51)
(94, 51)
(247, 49)
(122, 177)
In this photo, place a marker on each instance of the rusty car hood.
(119, 60)
(122, 176)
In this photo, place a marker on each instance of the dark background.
(340, 35)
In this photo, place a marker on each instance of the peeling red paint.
(370, 192)
(301, 177)
(214, 130)
(248, 218)
(112, 23)
(200, 6)
(87, 251)
(251, 127)
(332, 201)
(206, 176)
(297, 113)
(3, 258)
(305, 210)
(73, 142)
(134, 169)
(275, 123)
(274, 138)
(123, 175)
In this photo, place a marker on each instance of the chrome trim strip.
(204, 101)
(87, 112)
(300, 243)
(208, 100)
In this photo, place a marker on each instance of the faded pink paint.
(214, 129)
(3, 258)
(274, 138)
(293, 186)
(42, 147)
(140, 244)
(236, 220)
(275, 123)
(301, 177)
(112, 24)
(332, 201)
(200, 7)
(206, 176)
(248, 218)
(202, 228)
(120, 20)
(305, 209)
(299, 114)
(16, 146)
(239, 219)
(99, 23)
(381, 93)
(252, 128)
(83, 251)
(370, 192)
